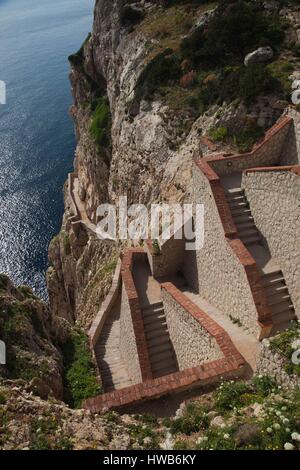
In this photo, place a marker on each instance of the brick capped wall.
(274, 197)
(231, 365)
(267, 152)
(190, 329)
(131, 319)
(223, 271)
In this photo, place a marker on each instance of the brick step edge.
(195, 377)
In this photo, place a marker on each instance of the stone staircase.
(161, 352)
(241, 213)
(275, 286)
(113, 372)
(278, 298)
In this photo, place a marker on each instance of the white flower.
(269, 430)
(296, 344)
(278, 413)
(276, 426)
(226, 436)
(288, 446)
(284, 408)
(287, 430)
(285, 421)
(296, 436)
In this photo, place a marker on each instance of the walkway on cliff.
(112, 369)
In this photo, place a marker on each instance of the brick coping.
(231, 366)
(292, 168)
(278, 126)
(135, 310)
(211, 326)
(264, 314)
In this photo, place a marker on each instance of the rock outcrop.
(148, 138)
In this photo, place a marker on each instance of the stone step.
(153, 339)
(237, 207)
(279, 299)
(153, 313)
(166, 346)
(282, 307)
(234, 197)
(241, 213)
(250, 240)
(149, 320)
(272, 274)
(284, 317)
(276, 290)
(155, 326)
(169, 360)
(165, 370)
(234, 191)
(248, 231)
(153, 306)
(244, 217)
(248, 223)
(241, 203)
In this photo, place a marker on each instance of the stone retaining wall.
(231, 365)
(170, 259)
(291, 152)
(271, 363)
(106, 307)
(133, 343)
(128, 347)
(274, 197)
(192, 342)
(266, 152)
(223, 269)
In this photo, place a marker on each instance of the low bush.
(283, 344)
(130, 16)
(101, 123)
(80, 380)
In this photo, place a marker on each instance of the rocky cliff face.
(138, 139)
(31, 336)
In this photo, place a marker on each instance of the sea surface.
(36, 134)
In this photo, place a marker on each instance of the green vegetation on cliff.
(80, 381)
(207, 66)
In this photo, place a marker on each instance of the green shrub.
(165, 67)
(263, 385)
(156, 247)
(237, 28)
(2, 398)
(193, 420)
(140, 432)
(219, 134)
(4, 281)
(80, 381)
(66, 243)
(282, 344)
(101, 123)
(228, 395)
(130, 16)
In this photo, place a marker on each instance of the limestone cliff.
(144, 104)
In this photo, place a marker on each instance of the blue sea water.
(36, 134)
